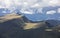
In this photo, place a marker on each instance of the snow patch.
(51, 12)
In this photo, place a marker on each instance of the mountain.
(4, 11)
(13, 26)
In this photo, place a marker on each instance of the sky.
(29, 3)
(32, 9)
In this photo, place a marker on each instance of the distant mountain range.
(36, 16)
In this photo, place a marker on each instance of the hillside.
(13, 26)
(18, 19)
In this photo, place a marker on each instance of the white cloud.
(24, 11)
(51, 12)
(53, 2)
(58, 10)
(2, 6)
(35, 5)
(27, 12)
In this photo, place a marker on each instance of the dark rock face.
(52, 23)
(14, 29)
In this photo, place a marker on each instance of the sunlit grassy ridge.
(33, 25)
(9, 17)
